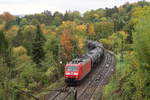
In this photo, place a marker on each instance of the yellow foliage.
(47, 31)
(42, 26)
(81, 43)
(24, 58)
(20, 57)
(107, 43)
(54, 33)
(67, 24)
(2, 26)
(44, 29)
(139, 13)
(18, 51)
(32, 27)
(96, 15)
(90, 29)
(12, 32)
(13, 28)
(50, 71)
(81, 28)
(65, 40)
(133, 60)
(118, 36)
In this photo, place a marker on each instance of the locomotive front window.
(69, 68)
(75, 68)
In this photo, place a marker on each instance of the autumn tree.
(81, 36)
(8, 18)
(91, 31)
(65, 40)
(11, 33)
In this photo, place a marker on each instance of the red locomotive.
(78, 68)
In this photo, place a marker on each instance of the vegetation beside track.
(131, 80)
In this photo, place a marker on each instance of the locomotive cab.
(71, 73)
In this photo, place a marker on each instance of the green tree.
(6, 66)
(24, 37)
(3, 43)
(132, 81)
(5, 50)
(23, 22)
(103, 29)
(66, 16)
(93, 15)
(138, 73)
(119, 42)
(141, 38)
(38, 53)
(52, 45)
(48, 18)
(57, 18)
(34, 22)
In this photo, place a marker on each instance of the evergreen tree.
(37, 50)
(66, 16)
(5, 50)
(3, 43)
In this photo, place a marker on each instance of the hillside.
(35, 48)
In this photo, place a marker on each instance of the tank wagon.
(77, 69)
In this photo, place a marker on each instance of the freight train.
(77, 69)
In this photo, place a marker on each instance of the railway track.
(86, 90)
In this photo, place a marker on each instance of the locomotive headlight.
(75, 73)
(67, 73)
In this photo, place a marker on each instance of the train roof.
(94, 44)
(82, 59)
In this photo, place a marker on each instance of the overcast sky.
(18, 7)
